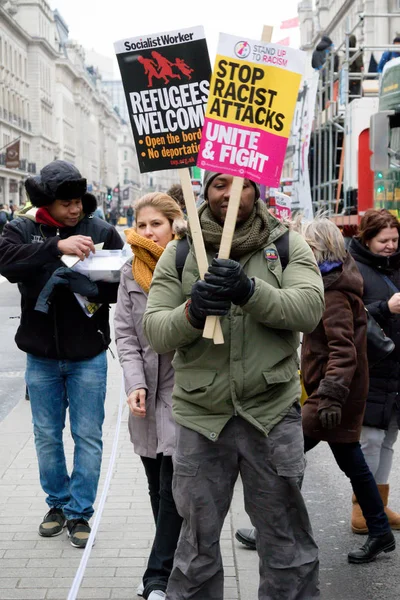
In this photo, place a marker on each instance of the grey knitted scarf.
(250, 235)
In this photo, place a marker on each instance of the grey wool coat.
(144, 368)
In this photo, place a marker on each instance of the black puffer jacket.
(384, 382)
(319, 55)
(28, 256)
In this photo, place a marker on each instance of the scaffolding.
(331, 164)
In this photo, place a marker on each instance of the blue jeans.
(53, 386)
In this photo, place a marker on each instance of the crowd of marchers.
(201, 414)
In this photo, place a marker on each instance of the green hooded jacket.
(254, 374)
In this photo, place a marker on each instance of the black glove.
(75, 282)
(80, 284)
(229, 280)
(205, 302)
(330, 413)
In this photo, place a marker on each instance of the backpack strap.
(182, 250)
(282, 245)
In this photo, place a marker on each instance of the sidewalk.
(32, 567)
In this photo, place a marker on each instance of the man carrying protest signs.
(66, 350)
(236, 404)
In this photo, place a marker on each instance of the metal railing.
(331, 133)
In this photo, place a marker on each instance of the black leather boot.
(372, 547)
(246, 537)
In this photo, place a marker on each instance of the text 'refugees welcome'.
(170, 109)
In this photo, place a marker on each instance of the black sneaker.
(53, 523)
(78, 532)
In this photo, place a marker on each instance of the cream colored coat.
(144, 368)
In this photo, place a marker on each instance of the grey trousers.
(377, 446)
(271, 469)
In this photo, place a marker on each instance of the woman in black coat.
(376, 253)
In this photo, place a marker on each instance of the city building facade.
(53, 102)
(15, 104)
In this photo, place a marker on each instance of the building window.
(126, 176)
(25, 150)
(125, 154)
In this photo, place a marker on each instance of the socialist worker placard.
(253, 94)
(166, 81)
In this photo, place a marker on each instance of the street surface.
(36, 568)
(12, 360)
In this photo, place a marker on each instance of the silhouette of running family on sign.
(161, 68)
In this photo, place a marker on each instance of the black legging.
(350, 459)
(159, 473)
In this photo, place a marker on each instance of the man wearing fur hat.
(66, 350)
(236, 405)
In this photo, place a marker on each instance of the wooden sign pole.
(231, 215)
(198, 242)
(226, 240)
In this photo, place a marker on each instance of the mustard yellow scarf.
(146, 254)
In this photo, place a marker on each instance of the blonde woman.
(335, 375)
(149, 380)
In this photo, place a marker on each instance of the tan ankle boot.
(358, 524)
(393, 517)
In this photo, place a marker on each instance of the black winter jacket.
(28, 256)
(384, 382)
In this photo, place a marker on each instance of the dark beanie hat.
(396, 39)
(59, 180)
(210, 175)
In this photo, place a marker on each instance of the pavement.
(12, 360)
(32, 567)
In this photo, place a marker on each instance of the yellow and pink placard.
(249, 113)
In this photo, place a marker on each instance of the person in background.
(356, 66)
(236, 404)
(114, 215)
(149, 378)
(376, 252)
(66, 350)
(129, 215)
(11, 210)
(334, 367)
(321, 52)
(176, 192)
(99, 212)
(389, 55)
(318, 62)
(4, 217)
